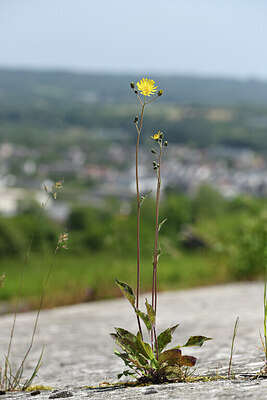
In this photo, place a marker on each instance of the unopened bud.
(166, 143)
(132, 85)
(135, 91)
(161, 135)
(136, 119)
(154, 163)
(153, 151)
(160, 93)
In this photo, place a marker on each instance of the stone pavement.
(79, 351)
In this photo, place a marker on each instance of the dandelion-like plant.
(150, 362)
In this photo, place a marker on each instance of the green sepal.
(127, 291)
(165, 337)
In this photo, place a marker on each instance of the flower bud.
(135, 91)
(132, 85)
(136, 119)
(153, 151)
(161, 135)
(166, 143)
(160, 93)
(154, 164)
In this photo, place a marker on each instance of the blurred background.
(66, 113)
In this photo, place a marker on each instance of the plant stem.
(20, 285)
(232, 347)
(265, 314)
(138, 215)
(155, 257)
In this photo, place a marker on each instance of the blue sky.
(200, 37)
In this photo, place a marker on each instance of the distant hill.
(26, 86)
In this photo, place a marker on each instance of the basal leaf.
(170, 355)
(132, 348)
(188, 361)
(173, 373)
(165, 337)
(162, 222)
(148, 350)
(150, 312)
(154, 363)
(127, 291)
(133, 342)
(196, 341)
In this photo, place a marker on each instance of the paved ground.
(79, 351)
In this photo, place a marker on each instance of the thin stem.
(155, 258)
(232, 346)
(39, 309)
(150, 101)
(156, 341)
(265, 314)
(22, 279)
(138, 215)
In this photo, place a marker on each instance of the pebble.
(61, 395)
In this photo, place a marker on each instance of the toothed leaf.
(127, 291)
(196, 341)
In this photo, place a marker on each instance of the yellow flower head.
(146, 86)
(156, 136)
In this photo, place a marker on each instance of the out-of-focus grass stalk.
(232, 347)
(20, 285)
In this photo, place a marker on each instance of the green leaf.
(170, 355)
(134, 352)
(173, 373)
(127, 291)
(133, 342)
(154, 363)
(144, 318)
(162, 222)
(165, 337)
(148, 350)
(196, 341)
(151, 313)
(143, 198)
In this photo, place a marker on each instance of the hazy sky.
(218, 37)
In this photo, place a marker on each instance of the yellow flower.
(156, 136)
(146, 86)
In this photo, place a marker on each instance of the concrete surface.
(79, 351)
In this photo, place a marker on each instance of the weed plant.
(150, 362)
(12, 379)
